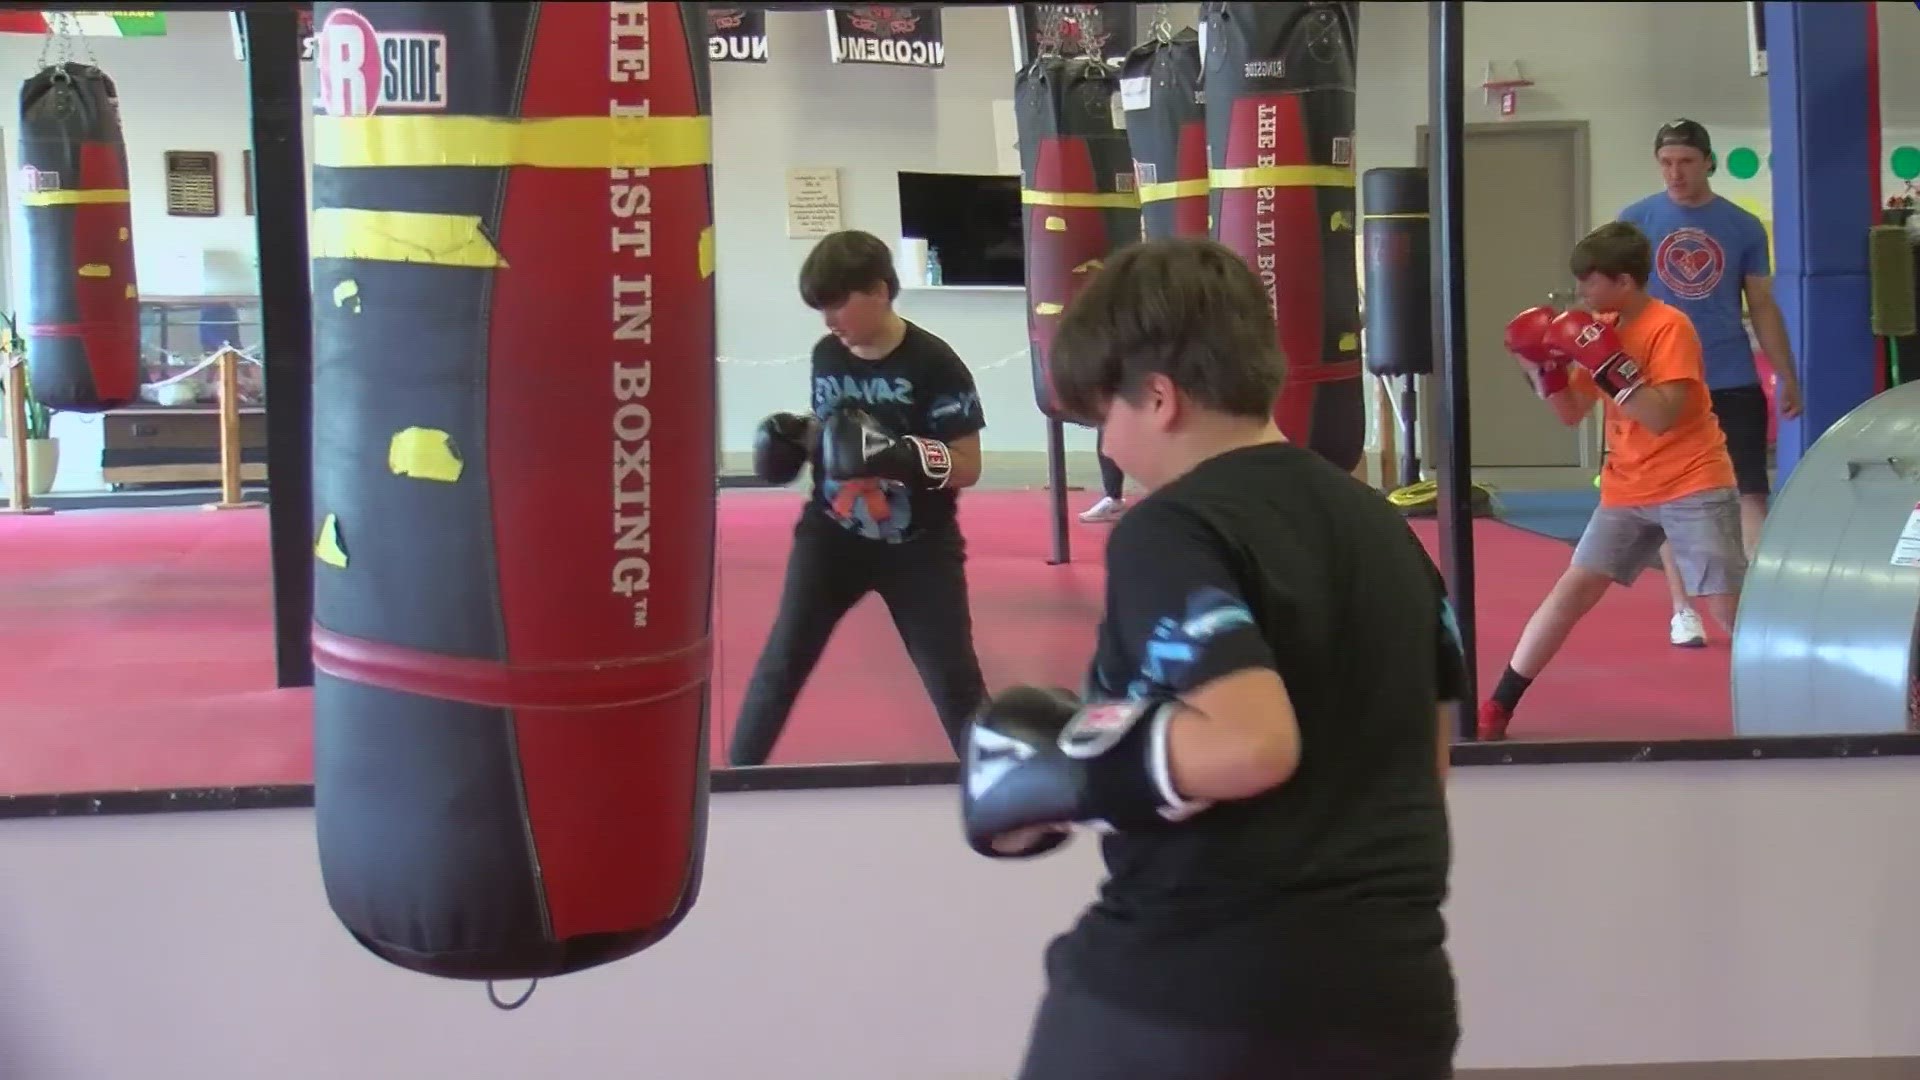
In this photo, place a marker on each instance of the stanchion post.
(1384, 422)
(20, 500)
(1453, 448)
(230, 447)
(1057, 483)
(1409, 430)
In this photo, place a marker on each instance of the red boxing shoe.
(1494, 718)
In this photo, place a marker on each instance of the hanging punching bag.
(82, 317)
(1077, 187)
(1280, 89)
(514, 394)
(1397, 252)
(1167, 132)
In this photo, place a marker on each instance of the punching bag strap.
(63, 29)
(596, 683)
(493, 995)
(1162, 26)
(1338, 371)
(1048, 31)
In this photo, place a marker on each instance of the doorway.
(1526, 203)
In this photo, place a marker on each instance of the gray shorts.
(1704, 529)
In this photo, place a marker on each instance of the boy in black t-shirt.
(1263, 731)
(893, 435)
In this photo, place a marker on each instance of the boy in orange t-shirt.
(1667, 474)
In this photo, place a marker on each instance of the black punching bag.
(1167, 131)
(1077, 189)
(1280, 92)
(1396, 250)
(82, 320)
(514, 462)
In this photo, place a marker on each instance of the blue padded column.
(1817, 89)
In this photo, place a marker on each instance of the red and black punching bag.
(1167, 131)
(1077, 187)
(514, 395)
(82, 318)
(1280, 92)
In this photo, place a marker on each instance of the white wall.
(1634, 68)
(1624, 913)
(184, 91)
(1625, 69)
(873, 122)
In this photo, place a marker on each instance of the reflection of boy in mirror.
(893, 436)
(1667, 477)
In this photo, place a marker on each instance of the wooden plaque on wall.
(193, 183)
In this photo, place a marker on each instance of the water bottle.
(933, 266)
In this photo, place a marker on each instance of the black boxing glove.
(1038, 762)
(853, 444)
(782, 445)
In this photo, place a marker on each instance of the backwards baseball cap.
(1684, 132)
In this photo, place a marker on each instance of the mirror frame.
(278, 109)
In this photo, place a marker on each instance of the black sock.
(1512, 685)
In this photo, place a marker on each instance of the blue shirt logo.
(1702, 257)
(1690, 263)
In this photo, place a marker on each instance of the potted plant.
(1900, 208)
(43, 450)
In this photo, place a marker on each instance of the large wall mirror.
(137, 640)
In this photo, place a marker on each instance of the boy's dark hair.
(845, 263)
(1187, 308)
(1614, 249)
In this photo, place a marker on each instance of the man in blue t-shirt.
(1709, 255)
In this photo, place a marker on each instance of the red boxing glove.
(1546, 368)
(1593, 345)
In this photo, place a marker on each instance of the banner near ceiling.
(85, 23)
(892, 35)
(736, 34)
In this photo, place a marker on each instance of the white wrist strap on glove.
(1099, 728)
(1160, 766)
(936, 461)
(1623, 373)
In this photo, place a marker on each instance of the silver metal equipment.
(1825, 643)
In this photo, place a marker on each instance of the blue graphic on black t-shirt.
(876, 509)
(1177, 645)
(922, 389)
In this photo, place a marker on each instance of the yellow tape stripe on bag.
(1080, 200)
(485, 142)
(1335, 176)
(101, 196)
(403, 237)
(1173, 189)
(430, 142)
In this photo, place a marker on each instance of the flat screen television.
(972, 222)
